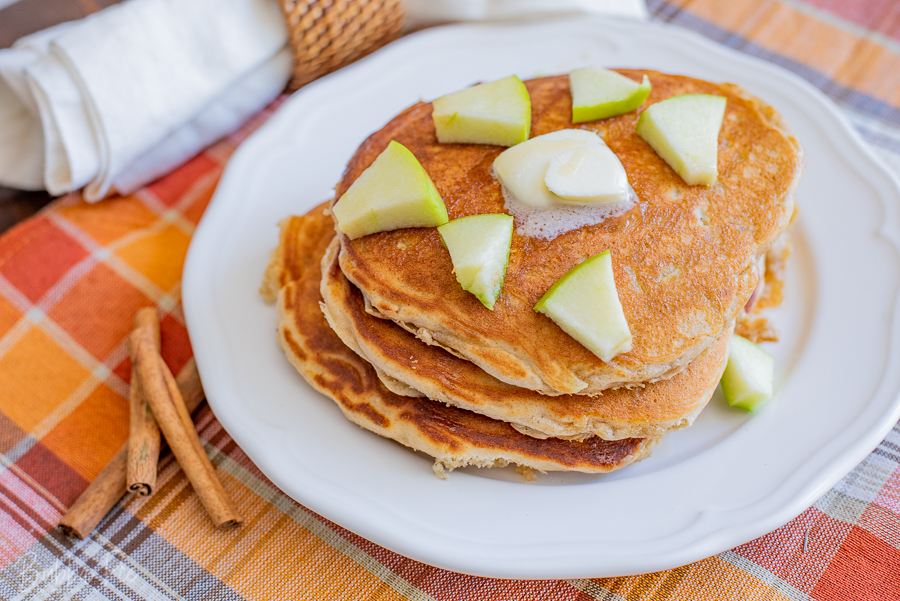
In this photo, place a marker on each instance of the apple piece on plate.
(684, 131)
(600, 93)
(394, 192)
(479, 248)
(490, 113)
(748, 378)
(585, 304)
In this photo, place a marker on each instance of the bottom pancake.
(454, 437)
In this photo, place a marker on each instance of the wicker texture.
(326, 35)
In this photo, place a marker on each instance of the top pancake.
(683, 256)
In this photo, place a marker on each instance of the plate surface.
(722, 482)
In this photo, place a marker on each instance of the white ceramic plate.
(724, 481)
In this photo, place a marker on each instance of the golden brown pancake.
(454, 437)
(409, 366)
(683, 257)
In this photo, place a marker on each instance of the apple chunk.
(599, 93)
(684, 131)
(585, 304)
(490, 113)
(479, 248)
(748, 378)
(394, 192)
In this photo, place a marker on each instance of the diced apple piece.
(684, 131)
(479, 248)
(748, 378)
(599, 93)
(394, 192)
(585, 304)
(490, 113)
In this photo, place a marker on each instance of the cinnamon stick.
(184, 416)
(143, 437)
(180, 432)
(109, 486)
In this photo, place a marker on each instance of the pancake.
(409, 366)
(454, 437)
(683, 257)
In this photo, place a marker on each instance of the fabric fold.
(70, 150)
(128, 93)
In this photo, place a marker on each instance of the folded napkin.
(119, 98)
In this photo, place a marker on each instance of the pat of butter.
(570, 166)
(587, 174)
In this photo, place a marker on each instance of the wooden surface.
(17, 20)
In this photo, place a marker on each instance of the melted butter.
(550, 222)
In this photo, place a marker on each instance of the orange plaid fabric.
(72, 277)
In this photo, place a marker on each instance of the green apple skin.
(585, 304)
(684, 131)
(600, 93)
(497, 113)
(393, 193)
(479, 248)
(748, 378)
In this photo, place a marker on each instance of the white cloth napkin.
(119, 98)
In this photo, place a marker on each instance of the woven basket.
(326, 35)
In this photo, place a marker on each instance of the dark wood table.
(17, 20)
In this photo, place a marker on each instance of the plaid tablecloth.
(72, 277)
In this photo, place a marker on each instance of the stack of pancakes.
(380, 324)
